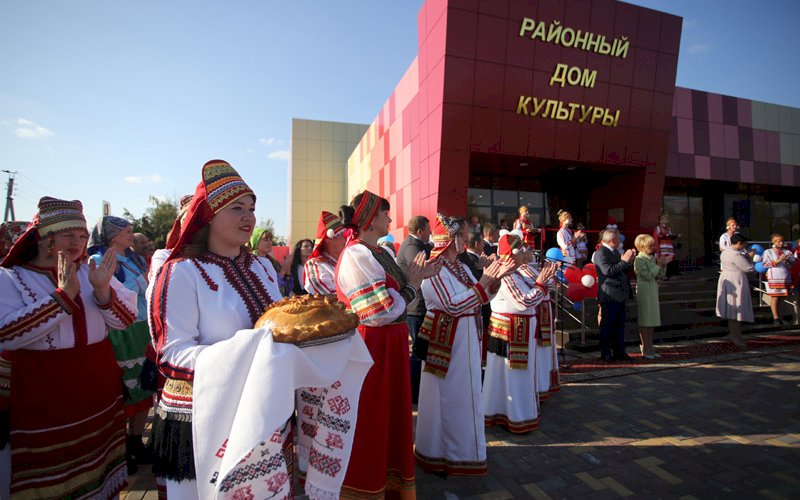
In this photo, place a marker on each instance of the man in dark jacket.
(490, 237)
(614, 290)
(419, 232)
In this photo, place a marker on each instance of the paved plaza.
(726, 425)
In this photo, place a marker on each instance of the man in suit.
(472, 256)
(490, 238)
(419, 232)
(614, 290)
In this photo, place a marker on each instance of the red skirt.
(67, 424)
(382, 461)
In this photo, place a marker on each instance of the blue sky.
(114, 100)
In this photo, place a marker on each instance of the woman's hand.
(68, 276)
(547, 274)
(420, 268)
(100, 275)
(495, 272)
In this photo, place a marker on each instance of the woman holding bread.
(369, 282)
(209, 288)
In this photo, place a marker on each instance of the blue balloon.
(760, 267)
(560, 276)
(554, 254)
(758, 248)
(577, 306)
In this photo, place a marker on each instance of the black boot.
(141, 453)
(130, 445)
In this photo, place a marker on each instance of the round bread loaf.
(307, 317)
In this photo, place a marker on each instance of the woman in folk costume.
(778, 261)
(665, 244)
(131, 343)
(209, 288)
(547, 374)
(67, 427)
(369, 282)
(450, 438)
(524, 224)
(566, 240)
(510, 394)
(321, 264)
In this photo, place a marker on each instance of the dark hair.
(736, 238)
(347, 212)
(474, 239)
(417, 223)
(299, 288)
(199, 243)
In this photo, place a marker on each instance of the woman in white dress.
(566, 240)
(210, 287)
(450, 437)
(778, 262)
(733, 291)
(510, 394)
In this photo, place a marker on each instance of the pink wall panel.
(716, 136)
(702, 165)
(746, 171)
(715, 108)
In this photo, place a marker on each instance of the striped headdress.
(54, 215)
(509, 245)
(220, 186)
(366, 210)
(329, 226)
(443, 232)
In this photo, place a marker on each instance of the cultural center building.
(564, 104)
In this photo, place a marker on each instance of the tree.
(156, 220)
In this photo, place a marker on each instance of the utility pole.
(10, 196)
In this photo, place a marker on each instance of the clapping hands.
(420, 268)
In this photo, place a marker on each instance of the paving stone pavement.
(724, 426)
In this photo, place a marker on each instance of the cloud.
(690, 23)
(135, 179)
(282, 154)
(699, 48)
(269, 141)
(31, 130)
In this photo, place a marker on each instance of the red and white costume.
(59, 378)
(450, 435)
(547, 374)
(320, 266)
(779, 276)
(528, 231)
(510, 396)
(369, 282)
(664, 240)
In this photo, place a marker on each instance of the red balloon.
(573, 274)
(576, 292)
(590, 269)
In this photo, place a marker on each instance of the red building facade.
(567, 103)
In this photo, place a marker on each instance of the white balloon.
(756, 258)
(587, 281)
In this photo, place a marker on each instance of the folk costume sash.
(544, 328)
(438, 329)
(513, 329)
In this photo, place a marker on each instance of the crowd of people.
(101, 327)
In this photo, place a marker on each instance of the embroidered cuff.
(543, 287)
(63, 300)
(106, 305)
(481, 293)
